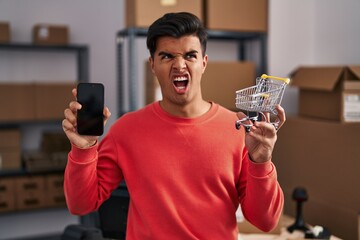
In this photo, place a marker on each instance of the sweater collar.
(182, 120)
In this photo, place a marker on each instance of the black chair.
(113, 214)
(110, 222)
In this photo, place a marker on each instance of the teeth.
(180, 79)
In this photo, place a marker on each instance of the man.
(185, 165)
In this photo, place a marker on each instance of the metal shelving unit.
(130, 35)
(82, 60)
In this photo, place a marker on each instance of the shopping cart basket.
(261, 98)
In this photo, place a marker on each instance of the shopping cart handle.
(286, 80)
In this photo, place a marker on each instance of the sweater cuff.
(83, 156)
(261, 169)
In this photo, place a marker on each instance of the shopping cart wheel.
(237, 125)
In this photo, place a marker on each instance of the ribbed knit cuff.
(83, 156)
(261, 169)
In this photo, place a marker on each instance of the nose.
(179, 63)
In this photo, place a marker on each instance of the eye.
(167, 56)
(190, 56)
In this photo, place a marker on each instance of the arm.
(90, 176)
(262, 198)
(83, 179)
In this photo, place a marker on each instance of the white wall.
(321, 32)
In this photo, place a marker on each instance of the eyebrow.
(167, 53)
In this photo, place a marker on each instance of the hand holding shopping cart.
(261, 98)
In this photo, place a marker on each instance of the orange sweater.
(186, 177)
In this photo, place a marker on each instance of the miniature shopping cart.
(261, 98)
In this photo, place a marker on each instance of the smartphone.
(90, 118)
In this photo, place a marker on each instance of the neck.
(187, 110)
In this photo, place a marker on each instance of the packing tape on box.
(43, 32)
(168, 2)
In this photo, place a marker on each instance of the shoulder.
(224, 112)
(134, 117)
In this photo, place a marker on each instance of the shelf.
(29, 123)
(33, 47)
(24, 172)
(212, 34)
(81, 51)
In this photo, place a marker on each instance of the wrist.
(258, 160)
(90, 144)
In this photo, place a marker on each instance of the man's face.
(179, 64)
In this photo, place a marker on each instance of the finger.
(70, 117)
(266, 115)
(107, 114)
(265, 128)
(68, 126)
(74, 92)
(74, 106)
(241, 115)
(281, 116)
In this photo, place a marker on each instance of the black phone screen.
(90, 118)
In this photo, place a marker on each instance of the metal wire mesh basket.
(263, 97)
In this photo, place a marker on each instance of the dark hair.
(176, 25)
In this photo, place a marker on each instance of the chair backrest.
(113, 214)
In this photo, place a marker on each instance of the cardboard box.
(142, 13)
(222, 79)
(10, 138)
(55, 191)
(37, 162)
(51, 99)
(30, 192)
(10, 159)
(55, 142)
(229, 76)
(34, 101)
(19, 99)
(5, 34)
(152, 87)
(50, 34)
(237, 15)
(7, 194)
(10, 148)
(323, 157)
(329, 92)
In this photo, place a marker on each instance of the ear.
(151, 61)
(205, 61)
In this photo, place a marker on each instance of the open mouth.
(180, 83)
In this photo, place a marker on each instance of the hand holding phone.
(90, 118)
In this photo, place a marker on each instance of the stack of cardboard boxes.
(19, 193)
(34, 101)
(230, 15)
(29, 103)
(318, 149)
